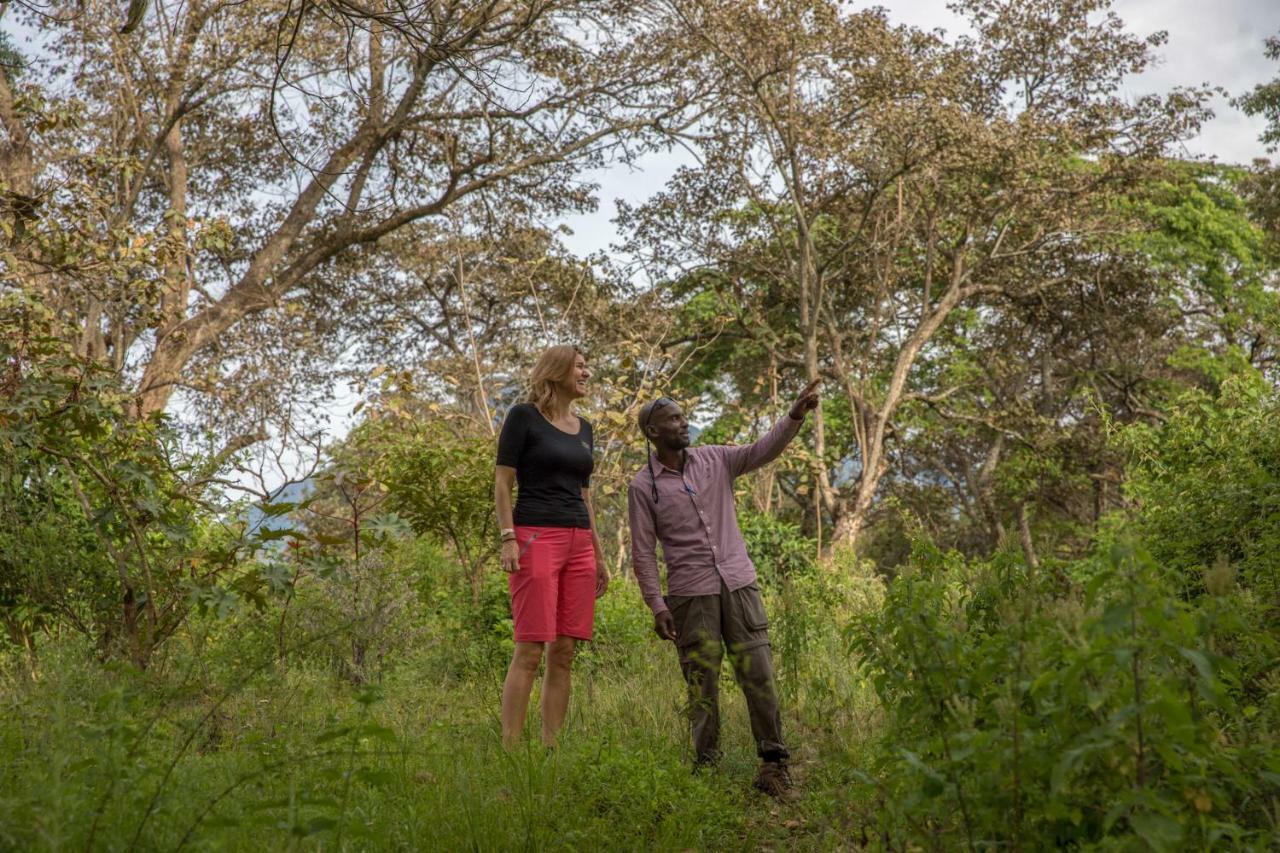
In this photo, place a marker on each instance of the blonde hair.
(554, 366)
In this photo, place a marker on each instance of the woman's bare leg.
(555, 687)
(516, 690)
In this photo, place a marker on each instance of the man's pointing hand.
(806, 402)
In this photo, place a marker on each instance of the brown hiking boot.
(773, 779)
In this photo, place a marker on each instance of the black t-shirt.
(552, 468)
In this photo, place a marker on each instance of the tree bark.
(1024, 537)
(16, 165)
(983, 490)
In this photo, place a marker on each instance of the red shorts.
(553, 593)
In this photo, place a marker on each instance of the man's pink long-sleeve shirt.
(694, 518)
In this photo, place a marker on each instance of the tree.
(879, 179)
(1264, 100)
(260, 144)
(1263, 186)
(105, 526)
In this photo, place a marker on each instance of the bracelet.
(508, 533)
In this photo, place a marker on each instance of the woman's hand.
(602, 577)
(510, 555)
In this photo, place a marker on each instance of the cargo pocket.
(752, 624)
(753, 609)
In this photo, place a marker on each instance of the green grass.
(252, 757)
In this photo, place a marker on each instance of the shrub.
(1019, 714)
(101, 517)
(1207, 482)
(778, 548)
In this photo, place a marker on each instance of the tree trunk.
(983, 489)
(135, 633)
(1024, 537)
(173, 302)
(16, 166)
(251, 293)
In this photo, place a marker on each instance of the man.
(683, 498)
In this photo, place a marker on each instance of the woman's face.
(576, 383)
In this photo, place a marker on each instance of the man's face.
(668, 427)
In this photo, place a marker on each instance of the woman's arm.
(602, 570)
(504, 480)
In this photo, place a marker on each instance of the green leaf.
(1201, 663)
(1158, 830)
(332, 734)
(278, 508)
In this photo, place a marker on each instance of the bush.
(1020, 713)
(1207, 482)
(407, 600)
(778, 549)
(102, 517)
(440, 482)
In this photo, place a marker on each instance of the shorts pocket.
(525, 550)
(533, 543)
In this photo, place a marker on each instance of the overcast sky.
(1218, 42)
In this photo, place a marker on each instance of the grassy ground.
(251, 758)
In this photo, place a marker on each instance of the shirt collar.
(658, 466)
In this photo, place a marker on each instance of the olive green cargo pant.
(707, 626)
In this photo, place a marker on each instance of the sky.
(1218, 42)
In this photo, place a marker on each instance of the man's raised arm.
(749, 457)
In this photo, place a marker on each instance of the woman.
(550, 551)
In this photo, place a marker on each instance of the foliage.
(1022, 714)
(1129, 695)
(1179, 298)
(1042, 342)
(252, 754)
(1207, 481)
(777, 548)
(264, 202)
(1264, 100)
(12, 62)
(101, 527)
(862, 188)
(438, 481)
